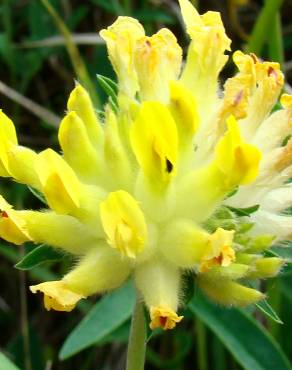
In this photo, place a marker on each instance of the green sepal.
(266, 268)
(228, 292)
(260, 243)
(247, 258)
(111, 89)
(38, 195)
(233, 272)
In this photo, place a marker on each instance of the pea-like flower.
(181, 178)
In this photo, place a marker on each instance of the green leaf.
(275, 41)
(251, 345)
(286, 283)
(154, 15)
(284, 251)
(243, 212)
(105, 317)
(38, 273)
(39, 255)
(38, 195)
(266, 308)
(262, 29)
(6, 364)
(286, 289)
(77, 16)
(112, 6)
(119, 335)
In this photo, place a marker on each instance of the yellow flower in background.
(180, 178)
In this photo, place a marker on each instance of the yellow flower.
(179, 178)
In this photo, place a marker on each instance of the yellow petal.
(78, 151)
(90, 197)
(190, 15)
(15, 161)
(235, 163)
(7, 139)
(60, 184)
(60, 231)
(238, 161)
(283, 157)
(260, 84)
(219, 250)
(123, 223)
(246, 64)
(80, 102)
(57, 296)
(236, 96)
(12, 226)
(117, 162)
(183, 107)
(7, 128)
(239, 89)
(286, 101)
(121, 38)
(164, 318)
(154, 141)
(157, 61)
(100, 270)
(21, 165)
(206, 55)
(184, 243)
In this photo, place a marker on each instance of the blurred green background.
(44, 47)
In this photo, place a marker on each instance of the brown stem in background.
(30, 105)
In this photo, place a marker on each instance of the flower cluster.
(177, 176)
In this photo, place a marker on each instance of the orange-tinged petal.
(164, 318)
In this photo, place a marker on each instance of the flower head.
(178, 179)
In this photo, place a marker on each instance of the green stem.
(137, 340)
(201, 343)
